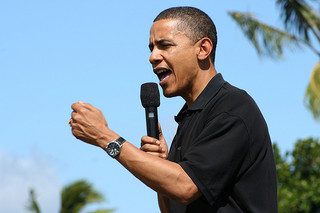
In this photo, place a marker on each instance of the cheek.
(186, 66)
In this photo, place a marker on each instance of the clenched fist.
(89, 125)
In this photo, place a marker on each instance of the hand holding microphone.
(154, 143)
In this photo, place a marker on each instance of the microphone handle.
(152, 122)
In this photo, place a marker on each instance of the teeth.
(161, 71)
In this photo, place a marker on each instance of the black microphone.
(150, 100)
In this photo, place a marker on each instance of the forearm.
(89, 125)
(163, 176)
(163, 203)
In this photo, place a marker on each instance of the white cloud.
(19, 174)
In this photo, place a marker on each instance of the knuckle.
(75, 117)
(82, 110)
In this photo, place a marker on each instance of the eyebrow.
(159, 42)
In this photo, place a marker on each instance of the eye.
(165, 45)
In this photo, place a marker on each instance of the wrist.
(113, 148)
(106, 138)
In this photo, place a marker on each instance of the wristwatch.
(114, 147)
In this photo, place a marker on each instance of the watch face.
(113, 149)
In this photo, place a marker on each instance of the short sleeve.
(214, 160)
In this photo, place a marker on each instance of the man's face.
(173, 58)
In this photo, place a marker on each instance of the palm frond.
(33, 205)
(103, 211)
(298, 16)
(312, 95)
(77, 195)
(267, 40)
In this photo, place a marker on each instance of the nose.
(155, 57)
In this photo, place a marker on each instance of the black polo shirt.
(223, 144)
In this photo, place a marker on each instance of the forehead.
(166, 28)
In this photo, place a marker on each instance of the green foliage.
(74, 198)
(103, 211)
(298, 179)
(301, 27)
(306, 158)
(299, 17)
(267, 40)
(312, 96)
(77, 195)
(33, 205)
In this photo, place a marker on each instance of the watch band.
(120, 140)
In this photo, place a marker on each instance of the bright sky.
(54, 53)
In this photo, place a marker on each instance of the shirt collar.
(205, 96)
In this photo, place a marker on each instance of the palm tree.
(74, 197)
(301, 28)
(33, 205)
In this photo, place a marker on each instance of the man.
(221, 157)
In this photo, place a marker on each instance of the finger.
(76, 133)
(152, 148)
(75, 106)
(73, 123)
(79, 109)
(87, 105)
(70, 122)
(159, 128)
(149, 140)
(73, 113)
(75, 117)
(161, 155)
(161, 137)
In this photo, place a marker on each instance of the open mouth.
(163, 73)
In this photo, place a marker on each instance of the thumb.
(161, 137)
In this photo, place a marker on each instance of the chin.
(169, 93)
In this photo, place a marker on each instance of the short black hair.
(195, 23)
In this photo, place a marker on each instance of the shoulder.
(233, 101)
(235, 95)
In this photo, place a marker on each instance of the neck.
(199, 85)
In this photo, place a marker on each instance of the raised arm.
(167, 178)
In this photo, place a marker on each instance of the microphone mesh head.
(149, 95)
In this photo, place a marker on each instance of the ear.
(205, 48)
